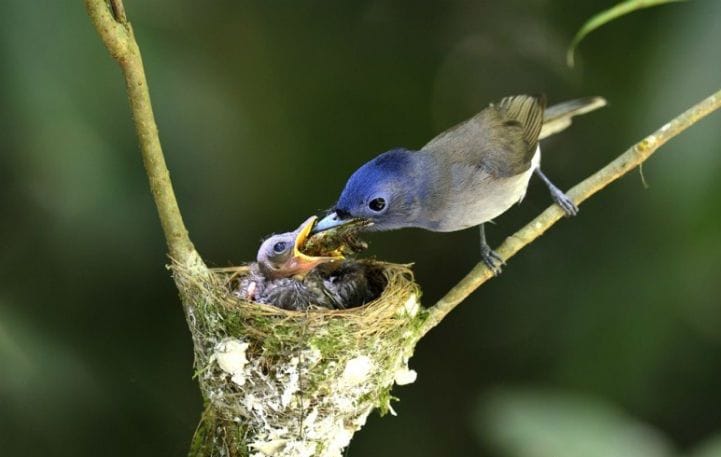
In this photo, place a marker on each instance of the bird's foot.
(564, 201)
(492, 260)
(561, 199)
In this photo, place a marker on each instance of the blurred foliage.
(542, 424)
(264, 109)
(710, 448)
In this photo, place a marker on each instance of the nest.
(295, 383)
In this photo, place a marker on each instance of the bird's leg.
(561, 199)
(492, 260)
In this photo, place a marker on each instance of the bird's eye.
(377, 204)
(279, 247)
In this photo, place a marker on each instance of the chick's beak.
(301, 264)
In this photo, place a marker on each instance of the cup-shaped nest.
(294, 383)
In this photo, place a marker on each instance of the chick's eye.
(377, 204)
(279, 247)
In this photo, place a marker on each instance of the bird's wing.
(502, 138)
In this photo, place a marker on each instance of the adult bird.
(464, 177)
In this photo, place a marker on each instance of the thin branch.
(117, 35)
(624, 163)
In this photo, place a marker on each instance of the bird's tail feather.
(558, 117)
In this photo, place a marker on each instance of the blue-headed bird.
(464, 177)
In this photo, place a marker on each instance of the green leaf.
(607, 16)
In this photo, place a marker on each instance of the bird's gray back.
(501, 139)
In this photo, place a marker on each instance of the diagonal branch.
(117, 35)
(624, 163)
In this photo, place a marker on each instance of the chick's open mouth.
(312, 257)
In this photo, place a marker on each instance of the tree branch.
(624, 163)
(117, 35)
(262, 338)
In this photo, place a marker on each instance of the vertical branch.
(117, 35)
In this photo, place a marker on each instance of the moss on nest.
(295, 383)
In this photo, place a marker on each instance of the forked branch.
(117, 34)
(218, 433)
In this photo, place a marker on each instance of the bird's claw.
(492, 260)
(565, 202)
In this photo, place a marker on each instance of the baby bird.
(285, 277)
(280, 255)
(464, 177)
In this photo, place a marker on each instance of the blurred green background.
(601, 339)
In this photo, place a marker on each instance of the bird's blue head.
(382, 192)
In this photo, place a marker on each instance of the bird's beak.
(332, 220)
(300, 263)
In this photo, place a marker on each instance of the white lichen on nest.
(230, 355)
(293, 384)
